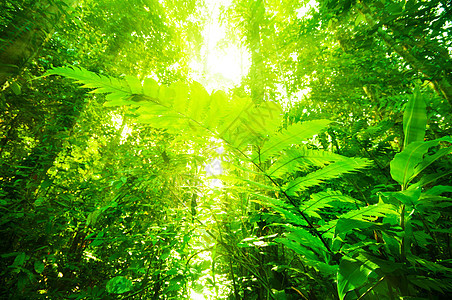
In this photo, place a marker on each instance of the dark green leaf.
(119, 285)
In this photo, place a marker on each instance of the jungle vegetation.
(323, 173)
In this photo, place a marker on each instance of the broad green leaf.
(135, 84)
(119, 285)
(116, 99)
(214, 113)
(408, 197)
(439, 189)
(429, 159)
(181, 96)
(20, 259)
(279, 295)
(98, 240)
(39, 266)
(92, 217)
(353, 273)
(404, 166)
(414, 119)
(430, 284)
(16, 88)
(167, 95)
(429, 265)
(428, 179)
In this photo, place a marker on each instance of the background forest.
(133, 167)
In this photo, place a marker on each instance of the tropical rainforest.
(133, 166)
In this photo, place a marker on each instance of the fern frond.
(299, 159)
(321, 200)
(329, 172)
(294, 134)
(118, 89)
(247, 123)
(365, 214)
(286, 210)
(183, 107)
(309, 247)
(302, 237)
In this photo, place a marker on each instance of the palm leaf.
(309, 247)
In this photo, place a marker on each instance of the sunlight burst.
(221, 67)
(195, 296)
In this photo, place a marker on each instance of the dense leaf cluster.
(146, 186)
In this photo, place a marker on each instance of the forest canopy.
(233, 149)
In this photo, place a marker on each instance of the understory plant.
(301, 240)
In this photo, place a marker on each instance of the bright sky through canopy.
(221, 67)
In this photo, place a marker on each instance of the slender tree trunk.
(257, 15)
(27, 33)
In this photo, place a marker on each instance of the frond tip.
(118, 89)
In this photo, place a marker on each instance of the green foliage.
(331, 171)
(414, 119)
(150, 187)
(353, 273)
(119, 285)
(117, 89)
(319, 201)
(409, 163)
(183, 107)
(300, 159)
(291, 135)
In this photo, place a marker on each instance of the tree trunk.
(257, 14)
(26, 34)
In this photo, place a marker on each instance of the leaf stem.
(371, 288)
